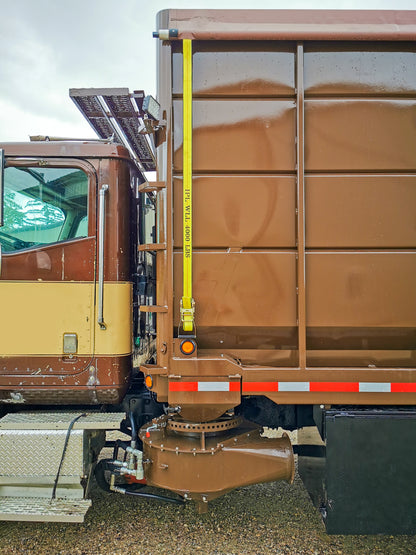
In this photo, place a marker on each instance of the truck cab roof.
(67, 148)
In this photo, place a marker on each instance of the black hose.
(154, 496)
(117, 444)
(99, 470)
(107, 464)
(68, 433)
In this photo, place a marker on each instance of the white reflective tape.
(293, 386)
(372, 387)
(213, 386)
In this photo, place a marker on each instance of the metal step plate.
(61, 421)
(36, 509)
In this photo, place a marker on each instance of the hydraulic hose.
(106, 464)
(68, 434)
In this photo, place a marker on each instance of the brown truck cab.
(55, 349)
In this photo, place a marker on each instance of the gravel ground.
(275, 518)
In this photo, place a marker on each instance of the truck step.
(38, 509)
(61, 421)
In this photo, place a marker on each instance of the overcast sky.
(48, 46)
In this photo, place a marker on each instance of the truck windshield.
(42, 206)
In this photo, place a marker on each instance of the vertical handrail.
(2, 187)
(101, 225)
(300, 201)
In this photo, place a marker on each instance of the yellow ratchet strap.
(187, 302)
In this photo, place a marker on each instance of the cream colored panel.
(118, 317)
(35, 315)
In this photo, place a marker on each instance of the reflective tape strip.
(204, 386)
(403, 387)
(342, 387)
(295, 387)
(329, 387)
(373, 387)
(260, 386)
(183, 386)
(213, 386)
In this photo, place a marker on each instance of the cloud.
(14, 122)
(47, 47)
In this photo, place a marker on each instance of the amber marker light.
(188, 347)
(148, 380)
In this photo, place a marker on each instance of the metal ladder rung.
(153, 308)
(153, 369)
(152, 186)
(152, 247)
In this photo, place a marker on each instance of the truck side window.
(43, 205)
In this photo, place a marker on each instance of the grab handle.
(101, 225)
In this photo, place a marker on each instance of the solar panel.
(116, 113)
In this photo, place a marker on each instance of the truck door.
(47, 284)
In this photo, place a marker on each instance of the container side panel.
(360, 198)
(239, 289)
(361, 289)
(360, 134)
(225, 68)
(357, 338)
(360, 68)
(239, 135)
(360, 194)
(361, 211)
(240, 211)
